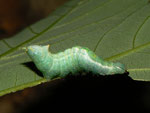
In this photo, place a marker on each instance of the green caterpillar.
(71, 60)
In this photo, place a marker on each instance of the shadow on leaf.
(32, 67)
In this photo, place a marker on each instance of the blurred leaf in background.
(17, 14)
(12, 15)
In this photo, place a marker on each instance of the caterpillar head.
(37, 52)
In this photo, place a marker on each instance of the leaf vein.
(34, 37)
(78, 28)
(29, 27)
(128, 52)
(115, 27)
(134, 38)
(77, 18)
(6, 44)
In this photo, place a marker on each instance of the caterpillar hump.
(72, 61)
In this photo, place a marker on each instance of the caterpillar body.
(71, 60)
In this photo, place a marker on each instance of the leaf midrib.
(34, 37)
(50, 27)
(117, 55)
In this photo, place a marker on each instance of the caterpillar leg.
(51, 75)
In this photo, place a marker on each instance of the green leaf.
(117, 30)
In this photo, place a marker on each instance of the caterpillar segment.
(72, 61)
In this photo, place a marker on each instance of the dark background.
(17, 14)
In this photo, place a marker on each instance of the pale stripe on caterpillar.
(71, 60)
